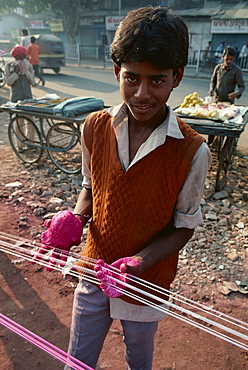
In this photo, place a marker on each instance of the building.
(207, 20)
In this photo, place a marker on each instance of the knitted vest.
(130, 208)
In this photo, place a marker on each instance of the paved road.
(101, 83)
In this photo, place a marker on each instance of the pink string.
(48, 347)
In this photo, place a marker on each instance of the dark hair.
(229, 50)
(24, 31)
(32, 39)
(151, 34)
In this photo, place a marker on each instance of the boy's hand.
(63, 231)
(113, 282)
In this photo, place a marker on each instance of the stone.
(211, 216)
(245, 196)
(224, 290)
(220, 195)
(223, 222)
(233, 256)
(231, 286)
(65, 187)
(16, 184)
(39, 211)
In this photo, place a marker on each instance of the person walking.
(33, 51)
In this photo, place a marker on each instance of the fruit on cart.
(217, 111)
(191, 100)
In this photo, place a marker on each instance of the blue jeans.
(91, 322)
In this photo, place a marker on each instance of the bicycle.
(2, 76)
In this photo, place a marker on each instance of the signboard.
(56, 27)
(229, 26)
(34, 24)
(113, 22)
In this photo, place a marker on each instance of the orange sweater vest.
(130, 208)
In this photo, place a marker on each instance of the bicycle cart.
(33, 130)
(228, 133)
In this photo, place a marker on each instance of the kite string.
(197, 316)
(153, 287)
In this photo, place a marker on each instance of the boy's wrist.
(82, 218)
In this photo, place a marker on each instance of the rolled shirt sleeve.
(187, 212)
(85, 164)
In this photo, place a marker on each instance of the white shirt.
(25, 41)
(187, 213)
(244, 51)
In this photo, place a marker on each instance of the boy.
(225, 77)
(144, 173)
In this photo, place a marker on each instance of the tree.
(8, 5)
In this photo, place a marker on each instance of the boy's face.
(145, 89)
(228, 59)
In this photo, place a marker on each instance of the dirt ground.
(42, 302)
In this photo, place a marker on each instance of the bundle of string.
(196, 314)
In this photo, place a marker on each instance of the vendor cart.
(34, 127)
(228, 133)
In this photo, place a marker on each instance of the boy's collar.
(169, 127)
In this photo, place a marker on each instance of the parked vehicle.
(52, 52)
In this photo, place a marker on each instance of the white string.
(89, 274)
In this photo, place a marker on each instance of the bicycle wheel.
(64, 141)
(2, 78)
(24, 138)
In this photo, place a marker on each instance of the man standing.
(225, 77)
(25, 41)
(206, 55)
(33, 58)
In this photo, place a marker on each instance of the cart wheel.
(2, 78)
(227, 153)
(24, 138)
(63, 139)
